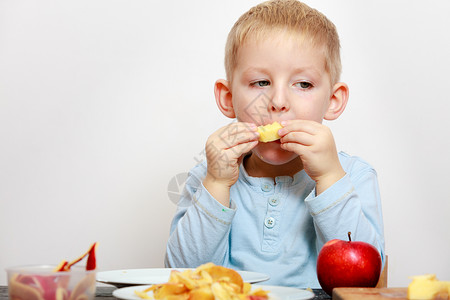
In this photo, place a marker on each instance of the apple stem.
(349, 236)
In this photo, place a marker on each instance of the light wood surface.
(369, 293)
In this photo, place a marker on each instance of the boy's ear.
(338, 101)
(223, 95)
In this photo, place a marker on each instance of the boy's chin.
(271, 153)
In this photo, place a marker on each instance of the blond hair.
(282, 15)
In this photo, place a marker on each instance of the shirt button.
(269, 222)
(266, 187)
(274, 201)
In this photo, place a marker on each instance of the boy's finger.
(295, 147)
(243, 148)
(298, 137)
(233, 136)
(308, 126)
(239, 127)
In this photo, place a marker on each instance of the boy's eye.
(261, 83)
(303, 84)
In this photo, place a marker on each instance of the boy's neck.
(256, 167)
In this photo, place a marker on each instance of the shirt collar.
(299, 177)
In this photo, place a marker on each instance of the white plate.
(122, 278)
(286, 293)
(275, 292)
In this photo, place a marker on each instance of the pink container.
(39, 282)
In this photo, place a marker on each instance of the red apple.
(348, 264)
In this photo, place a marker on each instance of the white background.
(103, 102)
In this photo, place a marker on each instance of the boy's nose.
(279, 103)
(277, 108)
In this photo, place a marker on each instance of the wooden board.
(369, 293)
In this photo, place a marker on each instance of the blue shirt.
(275, 226)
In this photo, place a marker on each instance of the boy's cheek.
(252, 108)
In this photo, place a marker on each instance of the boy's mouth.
(268, 122)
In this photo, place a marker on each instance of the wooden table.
(369, 293)
(105, 292)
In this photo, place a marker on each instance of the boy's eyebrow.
(255, 70)
(309, 69)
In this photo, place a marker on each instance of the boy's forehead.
(295, 40)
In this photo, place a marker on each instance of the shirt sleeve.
(200, 228)
(353, 205)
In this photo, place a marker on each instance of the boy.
(269, 207)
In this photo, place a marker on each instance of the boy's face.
(279, 78)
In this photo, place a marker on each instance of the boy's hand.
(314, 143)
(225, 149)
